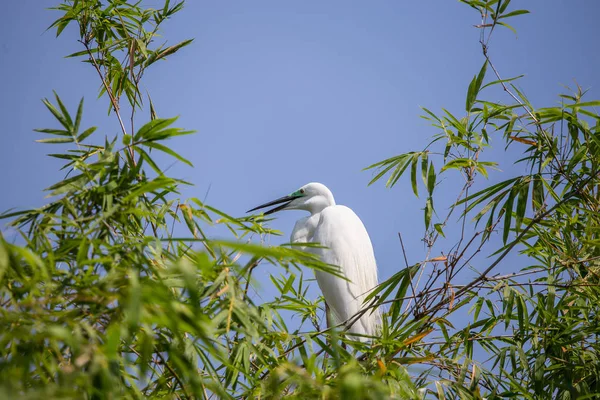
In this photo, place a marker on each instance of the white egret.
(346, 244)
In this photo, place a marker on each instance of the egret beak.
(285, 199)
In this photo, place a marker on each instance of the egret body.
(346, 244)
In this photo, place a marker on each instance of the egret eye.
(302, 191)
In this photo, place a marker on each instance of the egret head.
(312, 197)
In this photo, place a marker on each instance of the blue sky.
(285, 93)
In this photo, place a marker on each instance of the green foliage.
(100, 299)
(540, 335)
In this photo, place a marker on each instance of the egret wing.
(348, 246)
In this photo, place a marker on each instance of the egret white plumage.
(346, 244)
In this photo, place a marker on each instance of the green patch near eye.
(297, 193)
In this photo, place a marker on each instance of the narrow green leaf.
(431, 179)
(78, 117)
(504, 24)
(150, 186)
(55, 140)
(395, 176)
(521, 204)
(595, 103)
(480, 77)
(380, 174)
(54, 132)
(522, 96)
(82, 53)
(457, 163)
(475, 86)
(521, 314)
(57, 114)
(428, 211)
(537, 195)
(65, 112)
(74, 183)
(166, 134)
(477, 308)
(509, 304)
(488, 226)
(387, 161)
(7, 214)
(61, 23)
(85, 134)
(413, 174)
(148, 159)
(508, 205)
(152, 109)
(471, 94)
(153, 126)
(167, 150)
(395, 309)
(166, 7)
(447, 151)
(63, 156)
(424, 164)
(499, 81)
(493, 203)
(440, 390)
(162, 53)
(502, 6)
(435, 117)
(486, 193)
(439, 229)
(514, 13)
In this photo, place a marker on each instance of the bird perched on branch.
(346, 244)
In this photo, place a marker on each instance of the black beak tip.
(285, 199)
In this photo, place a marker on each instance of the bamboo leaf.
(146, 157)
(487, 192)
(475, 87)
(428, 211)
(63, 121)
(162, 53)
(457, 163)
(78, 117)
(424, 164)
(85, 134)
(54, 132)
(514, 14)
(153, 126)
(413, 174)
(595, 103)
(380, 174)
(65, 113)
(167, 150)
(537, 194)
(55, 140)
(508, 205)
(500, 81)
(521, 204)
(395, 176)
(431, 179)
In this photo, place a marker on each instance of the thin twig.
(412, 288)
(172, 371)
(508, 249)
(113, 100)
